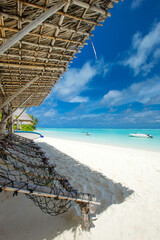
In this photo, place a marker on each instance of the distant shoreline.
(111, 137)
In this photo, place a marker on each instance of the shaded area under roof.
(46, 51)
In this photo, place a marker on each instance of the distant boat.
(140, 135)
(87, 134)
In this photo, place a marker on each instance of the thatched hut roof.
(24, 117)
(46, 51)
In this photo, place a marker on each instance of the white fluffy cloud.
(76, 80)
(136, 3)
(50, 113)
(146, 92)
(125, 118)
(145, 51)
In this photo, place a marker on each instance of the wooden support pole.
(36, 190)
(9, 99)
(2, 89)
(3, 123)
(18, 36)
(11, 112)
(10, 120)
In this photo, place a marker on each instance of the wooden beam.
(60, 13)
(3, 123)
(6, 15)
(40, 58)
(32, 67)
(37, 35)
(41, 87)
(9, 99)
(36, 190)
(18, 36)
(10, 120)
(57, 30)
(90, 7)
(35, 63)
(24, 75)
(40, 52)
(116, 1)
(43, 81)
(43, 46)
(2, 89)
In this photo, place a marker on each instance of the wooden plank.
(31, 67)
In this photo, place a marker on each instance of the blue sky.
(121, 87)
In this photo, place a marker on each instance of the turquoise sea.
(116, 137)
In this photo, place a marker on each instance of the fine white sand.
(125, 181)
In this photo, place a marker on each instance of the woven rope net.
(25, 168)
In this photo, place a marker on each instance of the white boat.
(143, 135)
(87, 134)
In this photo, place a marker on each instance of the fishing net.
(25, 168)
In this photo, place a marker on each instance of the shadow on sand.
(31, 223)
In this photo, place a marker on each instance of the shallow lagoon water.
(116, 137)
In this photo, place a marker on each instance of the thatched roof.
(23, 117)
(47, 50)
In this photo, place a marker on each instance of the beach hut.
(21, 117)
(38, 40)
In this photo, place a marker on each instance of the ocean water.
(116, 137)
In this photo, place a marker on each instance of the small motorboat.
(140, 135)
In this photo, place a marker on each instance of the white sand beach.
(125, 181)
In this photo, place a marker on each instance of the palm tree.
(35, 121)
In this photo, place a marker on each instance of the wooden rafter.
(20, 34)
(46, 24)
(59, 12)
(55, 68)
(46, 51)
(41, 35)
